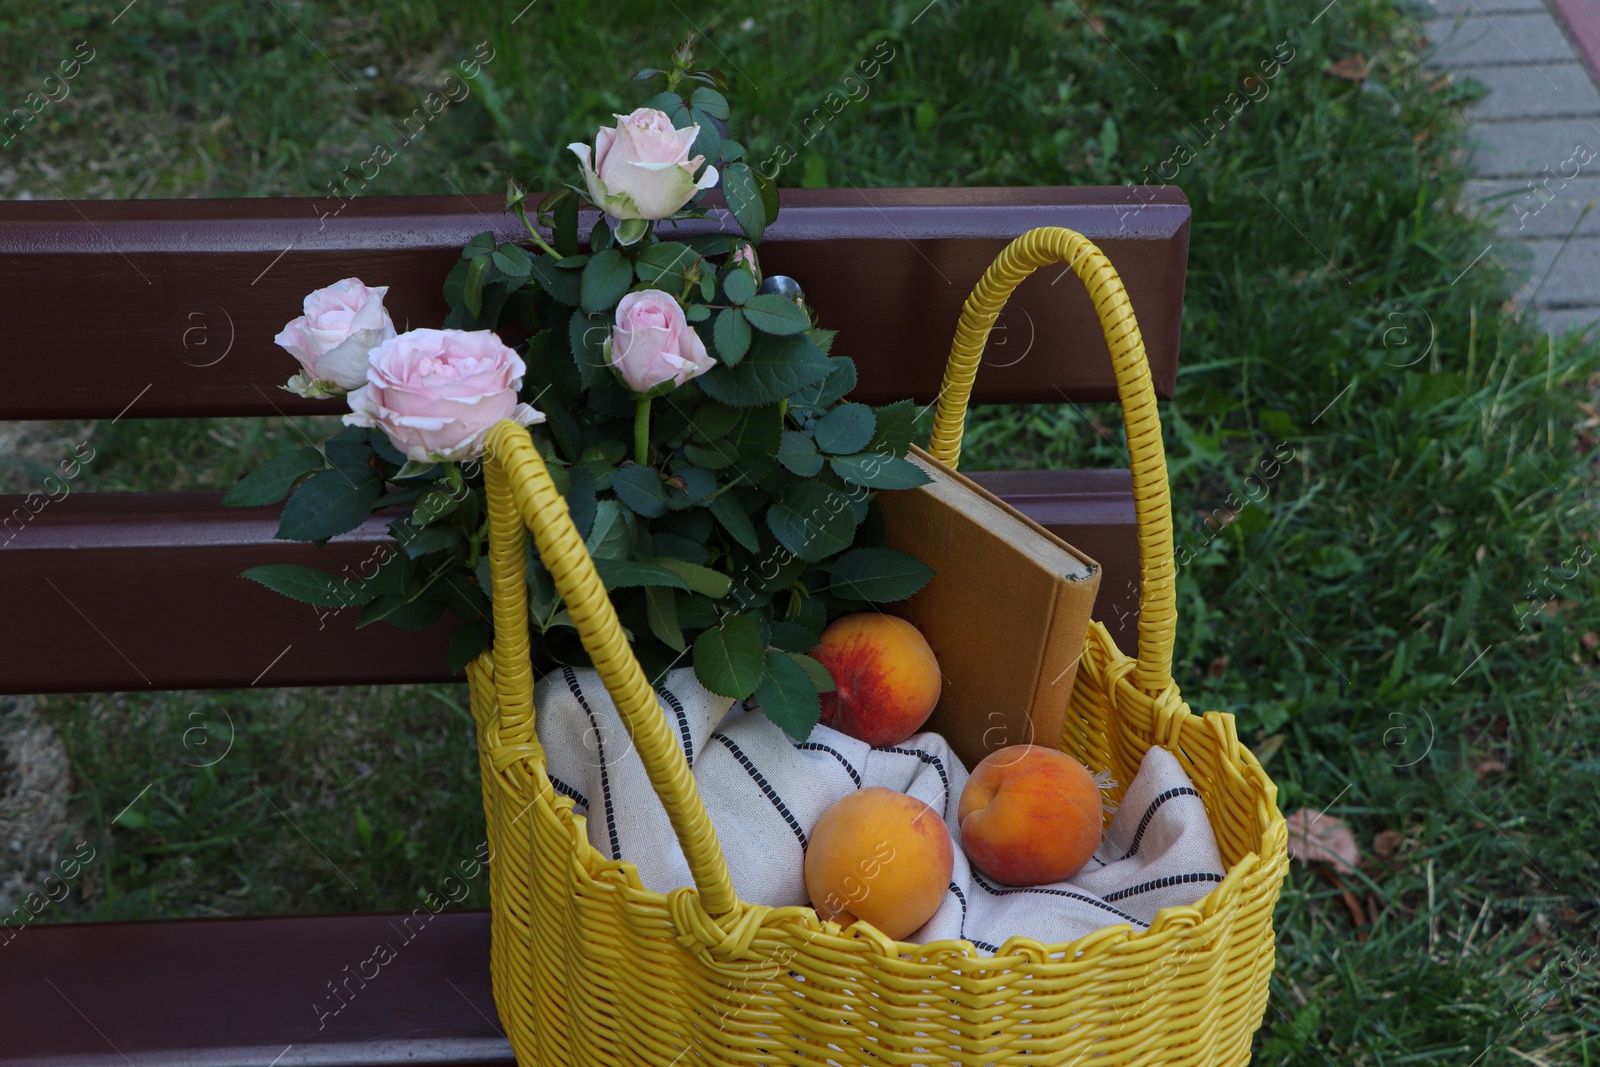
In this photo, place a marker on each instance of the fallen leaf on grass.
(1316, 837)
(1591, 641)
(1385, 843)
(1352, 68)
(1267, 748)
(1488, 767)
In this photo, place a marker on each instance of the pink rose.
(436, 393)
(341, 324)
(652, 342)
(642, 169)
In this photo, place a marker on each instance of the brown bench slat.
(246, 992)
(189, 293)
(132, 591)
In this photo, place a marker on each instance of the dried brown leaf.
(1316, 837)
(1352, 68)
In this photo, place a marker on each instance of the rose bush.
(436, 393)
(737, 524)
(641, 169)
(341, 324)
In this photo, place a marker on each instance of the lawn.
(1403, 619)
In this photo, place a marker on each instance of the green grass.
(1361, 620)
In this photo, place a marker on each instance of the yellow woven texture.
(591, 968)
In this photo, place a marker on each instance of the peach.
(881, 856)
(1030, 815)
(885, 676)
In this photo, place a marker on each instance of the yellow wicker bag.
(591, 968)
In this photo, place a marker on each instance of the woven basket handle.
(522, 497)
(1152, 505)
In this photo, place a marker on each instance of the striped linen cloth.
(765, 791)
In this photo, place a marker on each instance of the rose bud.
(341, 324)
(653, 344)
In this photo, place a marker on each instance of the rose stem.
(641, 431)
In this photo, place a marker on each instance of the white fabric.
(764, 792)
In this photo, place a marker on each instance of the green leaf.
(732, 335)
(792, 637)
(330, 502)
(271, 482)
(396, 610)
(702, 580)
(664, 101)
(587, 335)
(434, 504)
(730, 514)
(739, 284)
(787, 696)
(824, 394)
(564, 232)
(664, 265)
(710, 101)
(712, 421)
(758, 434)
(512, 260)
(698, 486)
(769, 196)
(467, 641)
(708, 141)
(631, 573)
(479, 246)
(661, 608)
(612, 534)
(477, 274)
(600, 236)
(310, 586)
(744, 200)
(639, 487)
(773, 368)
(879, 575)
(812, 520)
(697, 313)
(774, 314)
(714, 456)
(431, 539)
(897, 423)
(563, 285)
(821, 680)
(709, 244)
(729, 659)
(606, 278)
(349, 448)
(878, 471)
(845, 429)
(799, 454)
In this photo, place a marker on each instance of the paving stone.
(1565, 320)
(1543, 205)
(1575, 281)
(1498, 39)
(1510, 149)
(1453, 8)
(1549, 90)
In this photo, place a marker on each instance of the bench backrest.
(167, 309)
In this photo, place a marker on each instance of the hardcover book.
(1006, 611)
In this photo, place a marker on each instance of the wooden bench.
(167, 309)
